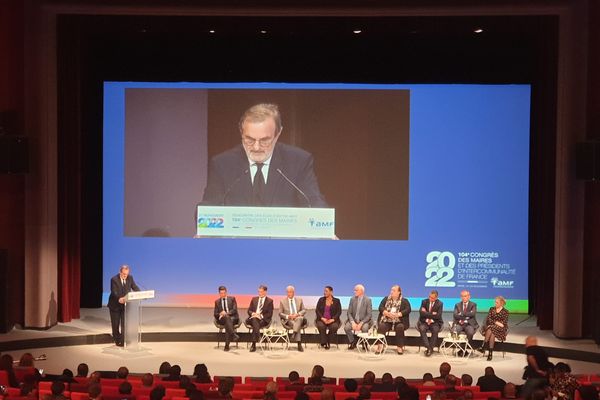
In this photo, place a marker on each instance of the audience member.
(509, 391)
(147, 380)
(201, 374)
(95, 377)
(164, 368)
(28, 387)
(270, 391)
(350, 385)
(489, 382)
(83, 370)
(158, 392)
(364, 393)
(184, 381)
(125, 388)
(316, 376)
(428, 379)
(301, 396)
(562, 383)
(450, 384)
(386, 385)
(57, 389)
(26, 360)
(94, 392)
(6, 364)
(122, 373)
(444, 371)
(174, 373)
(368, 378)
(589, 392)
(466, 380)
(294, 383)
(226, 385)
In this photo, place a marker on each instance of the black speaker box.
(14, 154)
(588, 161)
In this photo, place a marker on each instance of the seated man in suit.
(260, 313)
(430, 320)
(394, 313)
(360, 315)
(260, 171)
(120, 285)
(291, 312)
(465, 313)
(226, 314)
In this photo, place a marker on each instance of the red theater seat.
(79, 396)
(111, 382)
(174, 392)
(245, 394)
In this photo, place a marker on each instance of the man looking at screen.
(120, 285)
(260, 313)
(360, 315)
(261, 171)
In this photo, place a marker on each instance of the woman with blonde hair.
(495, 326)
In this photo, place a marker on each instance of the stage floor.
(186, 336)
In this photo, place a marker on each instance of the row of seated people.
(169, 384)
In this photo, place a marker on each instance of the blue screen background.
(468, 192)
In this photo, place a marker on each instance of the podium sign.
(265, 222)
(133, 318)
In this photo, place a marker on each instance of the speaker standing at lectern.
(120, 285)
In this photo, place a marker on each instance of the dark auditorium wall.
(591, 256)
(12, 192)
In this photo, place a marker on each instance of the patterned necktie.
(258, 186)
(261, 301)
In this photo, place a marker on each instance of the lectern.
(133, 318)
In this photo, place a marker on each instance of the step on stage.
(187, 336)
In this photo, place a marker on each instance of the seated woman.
(393, 314)
(495, 326)
(328, 310)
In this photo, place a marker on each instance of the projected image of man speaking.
(260, 171)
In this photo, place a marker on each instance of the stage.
(187, 336)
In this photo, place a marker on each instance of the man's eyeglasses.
(264, 142)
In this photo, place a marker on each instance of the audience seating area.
(246, 388)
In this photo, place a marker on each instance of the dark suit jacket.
(117, 290)
(336, 309)
(229, 185)
(491, 383)
(469, 315)
(404, 309)
(438, 308)
(267, 310)
(231, 305)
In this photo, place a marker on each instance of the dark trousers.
(327, 332)
(434, 329)
(398, 327)
(228, 323)
(117, 320)
(469, 330)
(256, 325)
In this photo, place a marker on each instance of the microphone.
(295, 187)
(233, 185)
